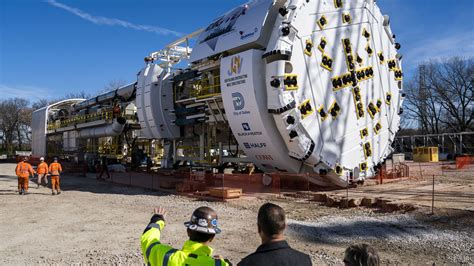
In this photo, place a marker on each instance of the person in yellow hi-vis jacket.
(195, 252)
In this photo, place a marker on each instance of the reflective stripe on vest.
(42, 167)
(23, 171)
(168, 255)
(217, 262)
(148, 251)
(153, 225)
(55, 170)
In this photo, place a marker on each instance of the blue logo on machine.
(252, 145)
(248, 132)
(246, 126)
(235, 65)
(244, 35)
(238, 100)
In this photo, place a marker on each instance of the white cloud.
(442, 46)
(31, 93)
(112, 21)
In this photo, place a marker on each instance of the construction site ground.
(94, 222)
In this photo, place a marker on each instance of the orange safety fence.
(463, 161)
(206, 185)
(396, 171)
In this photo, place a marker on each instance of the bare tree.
(440, 98)
(71, 95)
(113, 85)
(78, 95)
(12, 116)
(421, 104)
(40, 104)
(451, 82)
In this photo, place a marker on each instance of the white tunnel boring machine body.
(306, 86)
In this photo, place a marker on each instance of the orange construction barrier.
(462, 161)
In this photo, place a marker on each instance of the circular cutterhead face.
(345, 79)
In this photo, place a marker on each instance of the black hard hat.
(204, 220)
(55, 158)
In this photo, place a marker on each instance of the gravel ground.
(100, 223)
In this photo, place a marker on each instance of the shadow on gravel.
(336, 230)
(92, 185)
(83, 184)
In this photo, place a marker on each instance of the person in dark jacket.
(274, 250)
(104, 168)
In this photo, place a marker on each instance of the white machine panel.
(240, 26)
(244, 95)
(38, 132)
(154, 103)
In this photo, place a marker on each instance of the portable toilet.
(425, 154)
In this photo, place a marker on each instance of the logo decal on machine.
(251, 145)
(248, 132)
(244, 35)
(235, 65)
(238, 100)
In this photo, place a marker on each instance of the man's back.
(24, 169)
(42, 168)
(55, 168)
(276, 254)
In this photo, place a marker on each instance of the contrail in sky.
(112, 21)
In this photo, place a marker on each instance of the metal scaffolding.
(455, 143)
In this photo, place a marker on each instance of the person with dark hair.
(361, 255)
(196, 251)
(274, 250)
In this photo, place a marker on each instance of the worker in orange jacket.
(42, 171)
(55, 171)
(23, 171)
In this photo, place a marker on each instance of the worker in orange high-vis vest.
(42, 171)
(23, 171)
(55, 171)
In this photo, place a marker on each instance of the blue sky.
(49, 48)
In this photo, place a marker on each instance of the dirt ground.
(100, 223)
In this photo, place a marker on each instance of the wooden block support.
(226, 192)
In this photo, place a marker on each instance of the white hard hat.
(42, 159)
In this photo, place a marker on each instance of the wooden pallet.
(226, 192)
